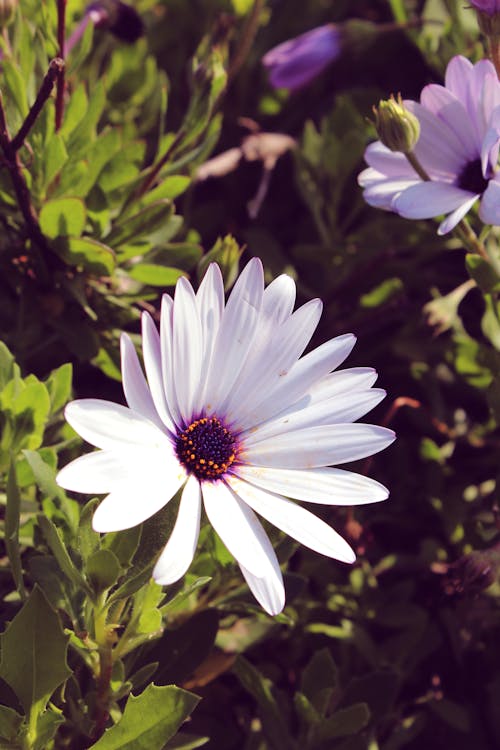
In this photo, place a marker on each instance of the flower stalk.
(61, 80)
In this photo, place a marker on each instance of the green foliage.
(149, 720)
(33, 655)
(399, 650)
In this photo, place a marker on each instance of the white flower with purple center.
(232, 413)
(457, 149)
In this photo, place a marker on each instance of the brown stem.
(156, 168)
(494, 45)
(15, 167)
(101, 713)
(246, 41)
(55, 70)
(61, 80)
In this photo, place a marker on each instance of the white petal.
(429, 199)
(112, 426)
(342, 381)
(187, 349)
(279, 298)
(325, 486)
(181, 546)
(388, 163)
(152, 362)
(269, 590)
(457, 74)
(319, 446)
(237, 526)
(338, 410)
(283, 350)
(135, 387)
(237, 330)
(438, 149)
(133, 503)
(96, 472)
(308, 370)
(167, 366)
(489, 210)
(210, 302)
(295, 521)
(448, 108)
(451, 221)
(382, 193)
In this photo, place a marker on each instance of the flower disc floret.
(206, 448)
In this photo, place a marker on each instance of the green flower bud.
(7, 11)
(397, 128)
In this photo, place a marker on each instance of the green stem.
(471, 240)
(103, 677)
(412, 159)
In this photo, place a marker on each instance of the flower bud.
(121, 19)
(7, 11)
(294, 63)
(397, 128)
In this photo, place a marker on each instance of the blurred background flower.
(297, 61)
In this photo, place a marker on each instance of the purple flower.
(486, 6)
(297, 61)
(458, 149)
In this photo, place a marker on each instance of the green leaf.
(12, 514)
(45, 571)
(149, 720)
(305, 710)
(8, 367)
(123, 544)
(26, 406)
(452, 713)
(345, 722)
(142, 224)
(33, 648)
(170, 187)
(483, 273)
(181, 650)
(78, 142)
(273, 721)
(103, 569)
(63, 217)
(93, 256)
(58, 385)
(55, 157)
(88, 540)
(46, 727)
(10, 722)
(226, 252)
(44, 474)
(153, 275)
(15, 85)
(75, 110)
(60, 552)
(185, 741)
(381, 293)
(319, 679)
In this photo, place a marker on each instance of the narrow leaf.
(12, 514)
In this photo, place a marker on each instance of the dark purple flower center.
(471, 178)
(206, 448)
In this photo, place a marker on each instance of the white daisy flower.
(236, 417)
